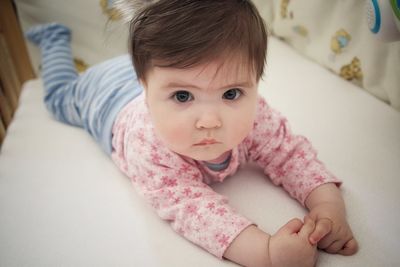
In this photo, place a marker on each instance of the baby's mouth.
(206, 142)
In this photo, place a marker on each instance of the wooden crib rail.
(15, 66)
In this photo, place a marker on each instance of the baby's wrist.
(250, 248)
(324, 194)
(268, 256)
(261, 248)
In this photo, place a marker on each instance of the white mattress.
(64, 203)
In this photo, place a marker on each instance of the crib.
(64, 203)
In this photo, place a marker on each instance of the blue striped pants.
(91, 100)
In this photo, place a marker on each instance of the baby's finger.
(326, 241)
(293, 226)
(307, 228)
(349, 248)
(322, 228)
(335, 247)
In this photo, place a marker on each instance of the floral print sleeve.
(173, 186)
(289, 160)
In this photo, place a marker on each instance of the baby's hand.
(290, 247)
(332, 233)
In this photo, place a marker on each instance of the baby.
(187, 114)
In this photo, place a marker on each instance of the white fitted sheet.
(64, 203)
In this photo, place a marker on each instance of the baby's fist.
(289, 247)
(332, 233)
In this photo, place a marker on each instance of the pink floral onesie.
(178, 187)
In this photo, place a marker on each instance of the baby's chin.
(205, 155)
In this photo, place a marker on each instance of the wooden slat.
(15, 65)
(5, 115)
(9, 79)
(2, 132)
(6, 111)
(10, 28)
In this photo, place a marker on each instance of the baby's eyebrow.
(245, 84)
(181, 85)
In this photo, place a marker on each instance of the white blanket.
(64, 203)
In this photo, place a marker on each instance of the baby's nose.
(208, 120)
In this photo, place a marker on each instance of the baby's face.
(204, 111)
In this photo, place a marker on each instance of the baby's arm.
(290, 160)
(288, 247)
(327, 210)
(250, 248)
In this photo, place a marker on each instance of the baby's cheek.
(174, 134)
(242, 126)
(242, 130)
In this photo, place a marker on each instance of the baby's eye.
(232, 94)
(183, 96)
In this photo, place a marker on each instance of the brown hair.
(183, 33)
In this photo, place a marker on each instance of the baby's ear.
(143, 84)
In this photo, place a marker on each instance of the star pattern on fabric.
(178, 189)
